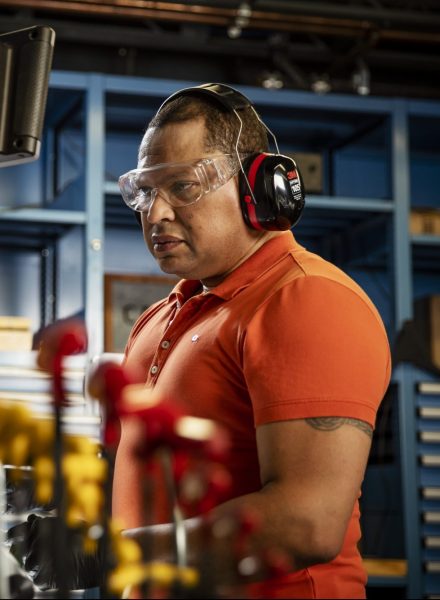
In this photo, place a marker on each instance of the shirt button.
(165, 344)
(154, 369)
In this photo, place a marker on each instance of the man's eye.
(145, 191)
(181, 187)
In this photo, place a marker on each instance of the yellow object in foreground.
(157, 573)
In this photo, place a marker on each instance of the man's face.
(205, 240)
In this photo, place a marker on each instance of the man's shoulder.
(314, 271)
(300, 276)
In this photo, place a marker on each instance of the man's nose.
(160, 209)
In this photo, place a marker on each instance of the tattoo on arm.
(332, 423)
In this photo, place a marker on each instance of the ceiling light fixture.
(321, 84)
(244, 12)
(361, 79)
(272, 80)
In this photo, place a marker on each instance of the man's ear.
(138, 218)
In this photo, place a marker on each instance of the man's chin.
(172, 266)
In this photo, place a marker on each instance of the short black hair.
(222, 126)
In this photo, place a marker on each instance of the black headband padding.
(230, 98)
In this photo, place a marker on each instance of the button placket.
(182, 319)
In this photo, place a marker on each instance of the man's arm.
(311, 473)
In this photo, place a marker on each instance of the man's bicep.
(318, 463)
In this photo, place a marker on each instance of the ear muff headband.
(230, 98)
(271, 188)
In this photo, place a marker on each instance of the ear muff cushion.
(277, 197)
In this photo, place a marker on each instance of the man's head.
(207, 239)
(222, 127)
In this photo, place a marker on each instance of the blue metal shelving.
(94, 92)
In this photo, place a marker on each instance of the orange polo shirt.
(287, 335)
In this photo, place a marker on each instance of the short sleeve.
(316, 348)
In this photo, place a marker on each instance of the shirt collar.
(250, 270)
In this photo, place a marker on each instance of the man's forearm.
(219, 531)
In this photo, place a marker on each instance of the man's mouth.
(165, 243)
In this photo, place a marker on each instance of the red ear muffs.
(271, 192)
(271, 189)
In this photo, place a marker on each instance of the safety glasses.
(180, 184)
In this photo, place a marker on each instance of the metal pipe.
(295, 16)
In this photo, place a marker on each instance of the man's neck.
(211, 282)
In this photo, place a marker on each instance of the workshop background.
(352, 90)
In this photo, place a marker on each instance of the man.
(272, 342)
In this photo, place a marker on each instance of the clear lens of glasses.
(179, 184)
